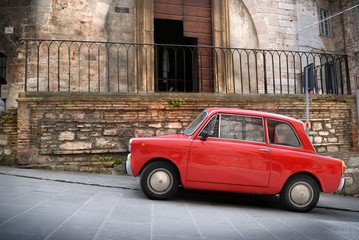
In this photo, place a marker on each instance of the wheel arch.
(162, 160)
(308, 174)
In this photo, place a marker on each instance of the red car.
(240, 151)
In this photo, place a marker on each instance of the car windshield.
(196, 123)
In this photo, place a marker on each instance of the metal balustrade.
(94, 66)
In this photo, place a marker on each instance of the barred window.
(324, 25)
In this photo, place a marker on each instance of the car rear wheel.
(300, 194)
(159, 180)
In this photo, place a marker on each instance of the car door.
(234, 152)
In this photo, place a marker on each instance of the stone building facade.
(81, 129)
(276, 24)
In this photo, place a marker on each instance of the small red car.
(236, 150)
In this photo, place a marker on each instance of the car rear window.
(281, 133)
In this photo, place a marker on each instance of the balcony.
(94, 66)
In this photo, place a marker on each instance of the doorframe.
(144, 34)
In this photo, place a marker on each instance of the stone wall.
(8, 136)
(90, 132)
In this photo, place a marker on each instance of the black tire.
(300, 194)
(159, 180)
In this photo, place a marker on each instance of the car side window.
(212, 127)
(281, 133)
(236, 127)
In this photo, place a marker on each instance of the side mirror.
(203, 135)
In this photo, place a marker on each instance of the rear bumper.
(128, 165)
(341, 185)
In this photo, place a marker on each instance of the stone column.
(221, 39)
(144, 63)
(23, 132)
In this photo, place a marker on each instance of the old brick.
(67, 136)
(174, 125)
(317, 126)
(318, 139)
(144, 132)
(323, 133)
(110, 132)
(353, 162)
(75, 146)
(105, 143)
(7, 151)
(162, 132)
(83, 136)
(332, 149)
(321, 149)
(155, 125)
(79, 116)
(3, 142)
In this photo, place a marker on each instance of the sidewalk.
(331, 201)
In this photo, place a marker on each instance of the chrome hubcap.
(160, 181)
(301, 194)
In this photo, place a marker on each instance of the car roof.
(252, 113)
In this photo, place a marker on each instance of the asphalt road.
(32, 208)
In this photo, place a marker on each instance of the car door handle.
(263, 150)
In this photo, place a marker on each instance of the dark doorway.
(2, 70)
(176, 58)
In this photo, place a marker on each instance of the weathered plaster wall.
(275, 23)
(346, 32)
(307, 14)
(19, 15)
(243, 32)
(86, 20)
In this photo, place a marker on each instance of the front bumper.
(341, 185)
(128, 165)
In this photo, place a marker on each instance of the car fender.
(323, 169)
(147, 150)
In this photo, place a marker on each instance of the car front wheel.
(300, 194)
(159, 180)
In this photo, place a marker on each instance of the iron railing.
(90, 66)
